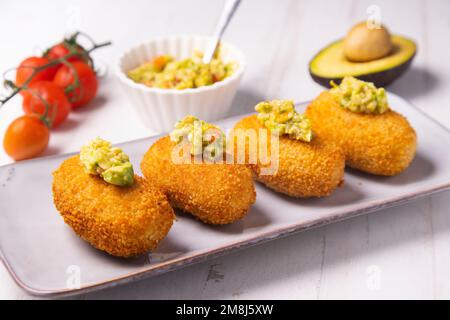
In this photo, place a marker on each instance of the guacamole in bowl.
(166, 72)
(166, 80)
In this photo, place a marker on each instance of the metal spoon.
(228, 11)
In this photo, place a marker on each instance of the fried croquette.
(305, 169)
(123, 221)
(216, 193)
(381, 144)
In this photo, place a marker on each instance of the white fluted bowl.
(160, 109)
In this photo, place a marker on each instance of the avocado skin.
(380, 79)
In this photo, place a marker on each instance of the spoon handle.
(227, 13)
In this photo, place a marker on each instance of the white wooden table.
(396, 253)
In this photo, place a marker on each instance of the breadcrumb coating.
(380, 144)
(123, 221)
(305, 169)
(214, 193)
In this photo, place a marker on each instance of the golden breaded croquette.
(216, 193)
(382, 144)
(305, 169)
(123, 221)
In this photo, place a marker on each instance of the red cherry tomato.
(26, 137)
(62, 49)
(83, 91)
(27, 67)
(45, 92)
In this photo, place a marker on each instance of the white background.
(396, 253)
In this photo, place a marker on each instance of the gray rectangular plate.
(42, 253)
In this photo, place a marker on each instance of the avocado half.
(330, 64)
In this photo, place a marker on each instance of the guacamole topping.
(280, 115)
(110, 163)
(167, 73)
(360, 96)
(201, 135)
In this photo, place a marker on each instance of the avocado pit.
(364, 44)
(372, 55)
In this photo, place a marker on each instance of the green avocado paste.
(360, 96)
(201, 135)
(167, 73)
(100, 158)
(280, 115)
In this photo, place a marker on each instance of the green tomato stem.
(52, 63)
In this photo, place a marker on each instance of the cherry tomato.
(26, 137)
(62, 49)
(85, 90)
(27, 67)
(40, 93)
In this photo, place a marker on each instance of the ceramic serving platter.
(46, 258)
